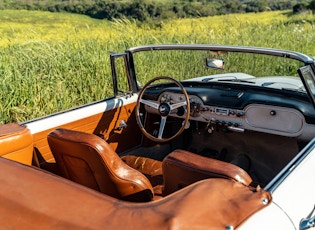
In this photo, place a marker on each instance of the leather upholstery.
(151, 168)
(16, 143)
(182, 168)
(34, 199)
(88, 160)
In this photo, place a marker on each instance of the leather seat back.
(182, 168)
(88, 160)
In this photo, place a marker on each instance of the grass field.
(53, 61)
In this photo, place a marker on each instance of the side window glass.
(120, 75)
(308, 78)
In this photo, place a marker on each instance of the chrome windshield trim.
(247, 49)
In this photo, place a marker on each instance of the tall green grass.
(53, 61)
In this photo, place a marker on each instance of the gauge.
(195, 102)
(195, 105)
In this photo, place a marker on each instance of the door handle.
(122, 125)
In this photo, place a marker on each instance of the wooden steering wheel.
(164, 109)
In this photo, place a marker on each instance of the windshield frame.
(306, 59)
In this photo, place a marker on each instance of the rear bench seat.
(16, 143)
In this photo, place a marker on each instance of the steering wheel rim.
(163, 109)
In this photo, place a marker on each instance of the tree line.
(146, 10)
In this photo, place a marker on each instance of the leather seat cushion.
(151, 168)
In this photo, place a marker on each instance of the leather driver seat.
(89, 160)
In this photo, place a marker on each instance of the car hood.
(279, 82)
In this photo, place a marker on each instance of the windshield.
(242, 68)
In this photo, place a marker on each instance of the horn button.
(164, 109)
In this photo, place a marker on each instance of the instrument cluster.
(196, 104)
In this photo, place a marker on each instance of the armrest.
(16, 143)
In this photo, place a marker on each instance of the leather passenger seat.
(182, 168)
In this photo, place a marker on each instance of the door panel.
(103, 124)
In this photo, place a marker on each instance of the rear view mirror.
(215, 63)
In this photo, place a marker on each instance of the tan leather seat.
(60, 204)
(182, 168)
(88, 160)
(151, 168)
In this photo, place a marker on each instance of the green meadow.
(51, 62)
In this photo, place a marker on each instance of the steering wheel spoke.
(177, 105)
(162, 126)
(152, 104)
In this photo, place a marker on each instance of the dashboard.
(236, 111)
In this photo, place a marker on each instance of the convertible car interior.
(203, 148)
(103, 170)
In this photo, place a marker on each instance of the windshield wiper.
(237, 80)
(294, 90)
